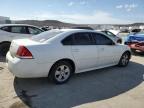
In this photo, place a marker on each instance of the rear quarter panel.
(50, 53)
(5, 36)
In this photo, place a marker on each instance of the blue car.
(136, 42)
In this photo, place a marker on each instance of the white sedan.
(58, 54)
(8, 32)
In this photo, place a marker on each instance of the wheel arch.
(5, 42)
(129, 52)
(67, 60)
(4, 47)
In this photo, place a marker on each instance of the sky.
(75, 11)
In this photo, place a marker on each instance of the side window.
(18, 29)
(6, 28)
(68, 40)
(102, 39)
(34, 31)
(82, 39)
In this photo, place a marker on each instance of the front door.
(107, 50)
(84, 51)
(19, 32)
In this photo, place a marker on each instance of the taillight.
(24, 53)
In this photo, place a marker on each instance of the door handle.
(12, 36)
(102, 49)
(75, 50)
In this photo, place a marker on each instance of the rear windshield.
(42, 37)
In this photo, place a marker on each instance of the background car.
(8, 32)
(135, 31)
(45, 28)
(124, 31)
(136, 42)
(113, 34)
(58, 54)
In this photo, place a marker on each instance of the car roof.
(76, 30)
(82, 30)
(67, 31)
(79, 30)
(85, 27)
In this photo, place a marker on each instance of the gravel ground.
(112, 87)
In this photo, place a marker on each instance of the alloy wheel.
(62, 73)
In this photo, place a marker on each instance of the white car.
(115, 32)
(58, 54)
(8, 32)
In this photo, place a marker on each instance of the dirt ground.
(112, 87)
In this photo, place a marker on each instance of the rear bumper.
(27, 68)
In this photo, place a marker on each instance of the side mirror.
(119, 41)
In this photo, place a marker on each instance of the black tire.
(4, 48)
(57, 73)
(124, 59)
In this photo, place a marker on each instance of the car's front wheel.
(61, 72)
(124, 59)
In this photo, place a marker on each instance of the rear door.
(84, 51)
(108, 52)
(9, 33)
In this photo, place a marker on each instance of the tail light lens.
(24, 53)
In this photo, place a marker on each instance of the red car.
(136, 46)
(136, 42)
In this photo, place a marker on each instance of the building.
(5, 20)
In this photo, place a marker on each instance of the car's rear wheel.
(124, 59)
(4, 47)
(61, 72)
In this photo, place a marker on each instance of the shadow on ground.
(2, 59)
(82, 88)
(138, 54)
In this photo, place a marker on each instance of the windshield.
(42, 37)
